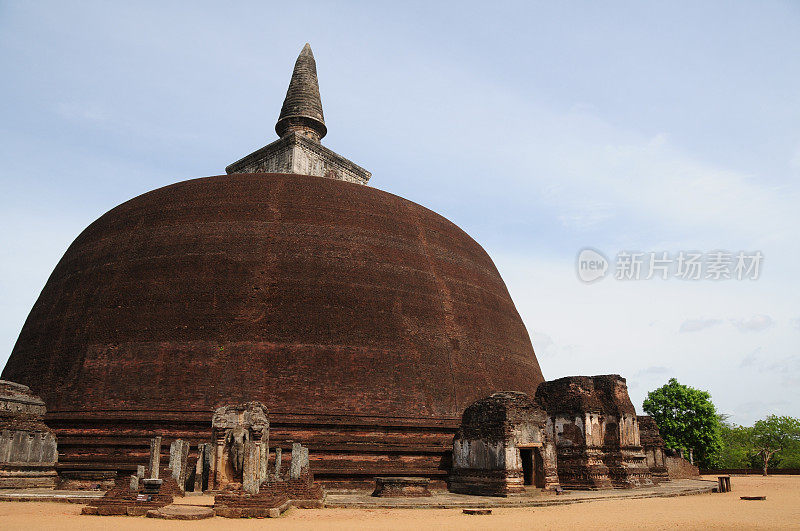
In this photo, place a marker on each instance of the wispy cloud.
(543, 344)
(750, 359)
(655, 371)
(757, 323)
(695, 325)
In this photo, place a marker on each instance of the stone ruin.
(149, 489)
(665, 464)
(596, 432)
(244, 486)
(503, 445)
(579, 432)
(241, 446)
(654, 450)
(28, 449)
(281, 488)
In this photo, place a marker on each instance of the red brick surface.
(314, 296)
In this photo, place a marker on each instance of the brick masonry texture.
(344, 309)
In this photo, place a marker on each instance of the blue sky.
(539, 128)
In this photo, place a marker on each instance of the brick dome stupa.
(365, 323)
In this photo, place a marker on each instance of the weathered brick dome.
(339, 306)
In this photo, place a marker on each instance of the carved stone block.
(155, 457)
(299, 465)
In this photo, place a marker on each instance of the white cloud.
(757, 323)
(695, 325)
(750, 359)
(654, 371)
(543, 345)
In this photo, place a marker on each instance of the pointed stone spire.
(302, 108)
(300, 127)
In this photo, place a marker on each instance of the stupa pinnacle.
(301, 126)
(302, 108)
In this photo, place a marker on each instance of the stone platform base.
(181, 512)
(403, 487)
(486, 482)
(309, 504)
(49, 495)
(532, 498)
(27, 476)
(252, 507)
(87, 479)
(122, 501)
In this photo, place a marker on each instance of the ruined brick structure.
(28, 448)
(653, 446)
(502, 446)
(678, 467)
(596, 432)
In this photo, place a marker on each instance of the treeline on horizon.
(689, 421)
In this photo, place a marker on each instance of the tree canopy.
(775, 435)
(687, 420)
(736, 450)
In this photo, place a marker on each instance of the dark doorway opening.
(527, 465)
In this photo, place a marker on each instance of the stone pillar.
(299, 462)
(178, 461)
(278, 463)
(208, 466)
(219, 456)
(134, 485)
(250, 479)
(263, 460)
(201, 468)
(155, 457)
(140, 471)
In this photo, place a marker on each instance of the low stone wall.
(750, 471)
(680, 468)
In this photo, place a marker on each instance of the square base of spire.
(295, 153)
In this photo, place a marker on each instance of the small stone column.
(299, 463)
(200, 469)
(219, 460)
(250, 473)
(178, 461)
(278, 463)
(263, 459)
(155, 456)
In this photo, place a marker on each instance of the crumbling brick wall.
(596, 432)
(489, 449)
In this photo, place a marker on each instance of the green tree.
(736, 448)
(775, 435)
(687, 420)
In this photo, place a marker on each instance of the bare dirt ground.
(781, 510)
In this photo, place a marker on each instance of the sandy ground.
(705, 511)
